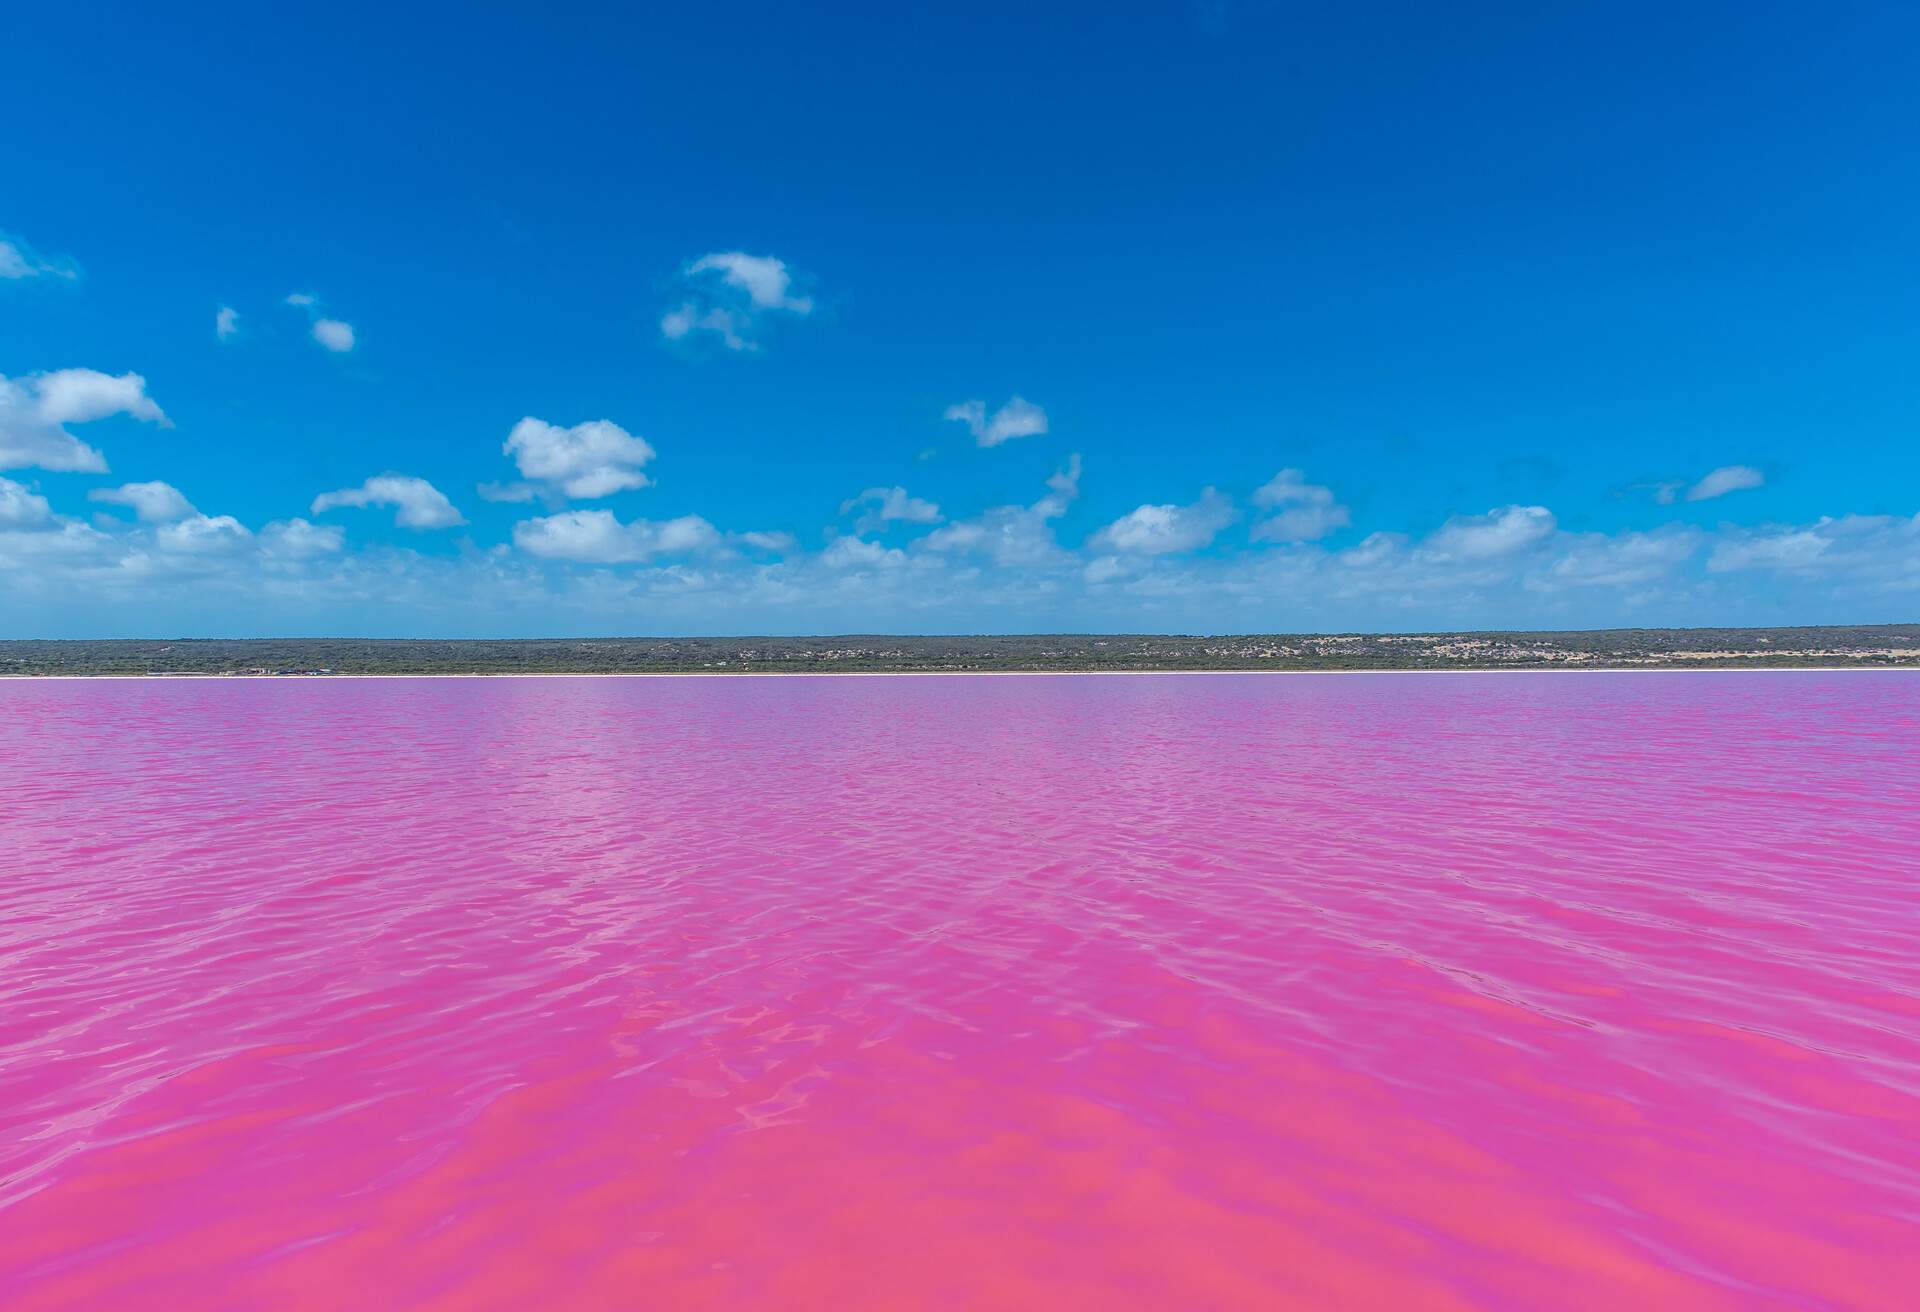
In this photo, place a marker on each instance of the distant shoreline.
(1872, 646)
(942, 674)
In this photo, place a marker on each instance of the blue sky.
(1248, 317)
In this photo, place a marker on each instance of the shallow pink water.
(1571, 991)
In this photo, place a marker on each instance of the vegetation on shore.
(1869, 645)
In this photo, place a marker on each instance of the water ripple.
(1194, 991)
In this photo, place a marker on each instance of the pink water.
(1568, 991)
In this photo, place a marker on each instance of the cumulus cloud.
(226, 322)
(731, 295)
(19, 260)
(596, 537)
(56, 551)
(1727, 478)
(1014, 536)
(35, 410)
(1848, 555)
(21, 505)
(418, 503)
(858, 553)
(202, 535)
(1510, 551)
(1017, 418)
(1499, 533)
(77, 396)
(151, 503)
(584, 462)
(68, 562)
(885, 505)
(764, 279)
(299, 539)
(1303, 511)
(333, 334)
(1596, 560)
(1373, 550)
(1159, 530)
(1858, 553)
(1793, 549)
(1001, 569)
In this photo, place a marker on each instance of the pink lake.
(1190, 991)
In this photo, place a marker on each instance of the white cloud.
(858, 553)
(1597, 560)
(1716, 483)
(60, 552)
(226, 322)
(766, 280)
(1064, 484)
(77, 396)
(1017, 418)
(202, 535)
(888, 504)
(1372, 551)
(584, 462)
(19, 260)
(1007, 574)
(1727, 478)
(333, 334)
(1017, 536)
(299, 539)
(775, 541)
(1834, 556)
(730, 295)
(1305, 512)
(1781, 549)
(729, 327)
(35, 410)
(20, 505)
(596, 537)
(419, 503)
(1158, 530)
(1466, 539)
(1507, 552)
(152, 503)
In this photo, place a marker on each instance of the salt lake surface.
(1568, 991)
